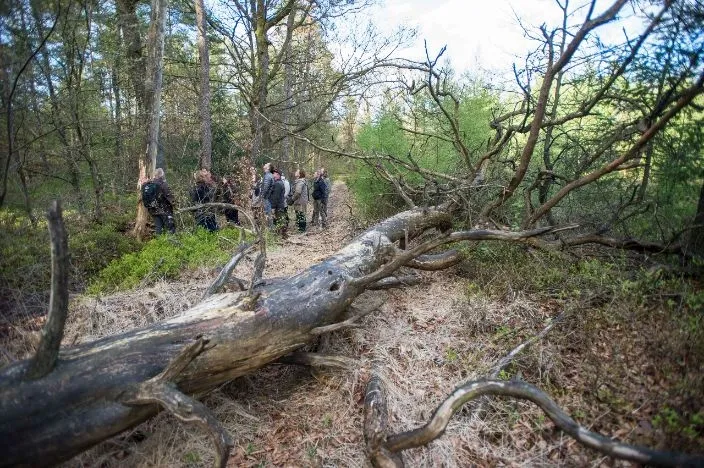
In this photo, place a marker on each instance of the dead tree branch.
(396, 281)
(319, 361)
(375, 425)
(516, 389)
(506, 360)
(53, 331)
(228, 269)
(439, 261)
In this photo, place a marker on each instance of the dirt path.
(300, 251)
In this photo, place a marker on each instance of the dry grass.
(425, 340)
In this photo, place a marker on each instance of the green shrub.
(25, 258)
(165, 257)
(494, 268)
(25, 250)
(93, 249)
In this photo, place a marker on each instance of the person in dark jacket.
(328, 188)
(278, 204)
(227, 195)
(163, 213)
(265, 189)
(204, 192)
(319, 191)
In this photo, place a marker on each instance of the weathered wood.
(440, 261)
(376, 420)
(227, 270)
(469, 391)
(319, 361)
(53, 331)
(80, 402)
(160, 390)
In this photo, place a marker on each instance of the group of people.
(272, 193)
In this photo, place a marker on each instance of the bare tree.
(578, 109)
(206, 137)
(284, 71)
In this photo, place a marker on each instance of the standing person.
(265, 189)
(204, 192)
(287, 192)
(228, 196)
(299, 199)
(278, 204)
(287, 185)
(328, 188)
(319, 216)
(159, 202)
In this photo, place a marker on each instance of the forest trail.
(301, 251)
(426, 339)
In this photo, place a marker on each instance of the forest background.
(605, 138)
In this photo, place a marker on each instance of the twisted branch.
(522, 390)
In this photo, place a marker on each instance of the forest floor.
(612, 370)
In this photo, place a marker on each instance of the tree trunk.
(147, 163)
(89, 395)
(129, 25)
(204, 104)
(695, 244)
(288, 90)
(119, 152)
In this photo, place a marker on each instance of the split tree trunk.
(96, 389)
(152, 86)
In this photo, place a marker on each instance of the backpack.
(319, 189)
(150, 195)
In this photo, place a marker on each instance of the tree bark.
(288, 88)
(147, 163)
(695, 243)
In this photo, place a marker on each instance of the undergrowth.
(164, 257)
(25, 258)
(628, 354)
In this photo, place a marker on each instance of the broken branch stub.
(47, 353)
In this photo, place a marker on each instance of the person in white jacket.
(287, 192)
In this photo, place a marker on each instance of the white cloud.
(484, 33)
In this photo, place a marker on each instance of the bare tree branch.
(53, 331)
(522, 390)
(228, 269)
(319, 361)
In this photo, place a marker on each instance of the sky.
(478, 31)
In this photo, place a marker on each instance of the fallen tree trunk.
(99, 389)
